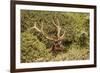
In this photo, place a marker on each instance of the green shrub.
(36, 48)
(31, 48)
(83, 40)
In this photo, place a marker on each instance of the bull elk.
(57, 41)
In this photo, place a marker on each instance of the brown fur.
(57, 46)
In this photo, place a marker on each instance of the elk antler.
(59, 37)
(58, 29)
(41, 31)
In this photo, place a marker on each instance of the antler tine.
(58, 22)
(62, 36)
(36, 27)
(34, 24)
(58, 27)
(41, 30)
(32, 27)
(45, 33)
(42, 26)
(54, 23)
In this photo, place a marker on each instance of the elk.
(59, 37)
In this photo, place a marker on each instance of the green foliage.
(31, 48)
(36, 48)
(83, 40)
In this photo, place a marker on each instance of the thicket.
(36, 48)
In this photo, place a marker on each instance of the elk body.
(57, 41)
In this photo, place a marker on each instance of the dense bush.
(36, 48)
(31, 48)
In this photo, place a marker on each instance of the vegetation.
(41, 30)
